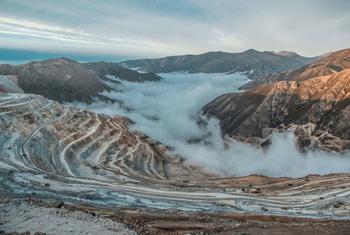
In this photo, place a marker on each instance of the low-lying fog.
(167, 111)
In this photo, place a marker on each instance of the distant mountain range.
(64, 79)
(255, 63)
(314, 101)
(14, 55)
(102, 69)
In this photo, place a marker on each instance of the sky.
(155, 28)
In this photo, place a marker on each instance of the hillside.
(318, 109)
(66, 80)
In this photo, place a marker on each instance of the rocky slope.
(255, 63)
(66, 80)
(318, 109)
(80, 143)
(330, 64)
(21, 217)
(102, 69)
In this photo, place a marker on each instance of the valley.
(188, 117)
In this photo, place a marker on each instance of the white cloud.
(70, 38)
(167, 111)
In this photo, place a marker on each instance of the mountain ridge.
(252, 62)
(103, 68)
(328, 64)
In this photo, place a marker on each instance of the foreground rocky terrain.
(36, 217)
(254, 63)
(25, 216)
(96, 164)
(314, 105)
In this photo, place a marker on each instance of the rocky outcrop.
(330, 64)
(256, 64)
(102, 69)
(321, 102)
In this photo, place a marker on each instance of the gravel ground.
(21, 217)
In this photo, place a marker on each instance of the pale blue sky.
(145, 28)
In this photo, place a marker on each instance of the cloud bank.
(167, 111)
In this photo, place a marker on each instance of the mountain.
(102, 69)
(329, 64)
(255, 63)
(59, 79)
(317, 108)
(66, 80)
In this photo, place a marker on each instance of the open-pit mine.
(94, 162)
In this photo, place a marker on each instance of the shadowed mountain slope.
(59, 79)
(66, 80)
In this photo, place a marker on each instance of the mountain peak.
(251, 51)
(63, 60)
